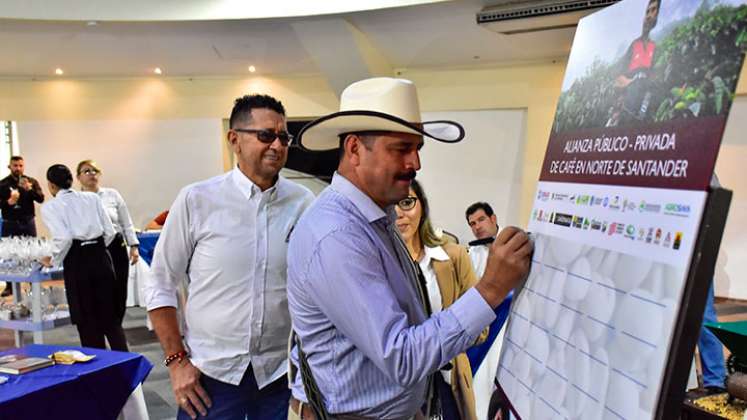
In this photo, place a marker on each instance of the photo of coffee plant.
(689, 69)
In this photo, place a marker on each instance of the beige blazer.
(455, 276)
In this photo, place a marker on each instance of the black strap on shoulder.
(313, 394)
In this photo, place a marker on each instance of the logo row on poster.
(649, 235)
(616, 202)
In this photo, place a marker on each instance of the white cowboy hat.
(377, 104)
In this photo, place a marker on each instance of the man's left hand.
(134, 255)
(25, 184)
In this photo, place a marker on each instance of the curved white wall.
(147, 161)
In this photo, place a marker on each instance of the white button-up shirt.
(478, 254)
(226, 240)
(431, 283)
(116, 208)
(436, 253)
(75, 215)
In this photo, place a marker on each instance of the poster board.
(619, 208)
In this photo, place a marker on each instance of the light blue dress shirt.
(367, 340)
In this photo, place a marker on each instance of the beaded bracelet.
(180, 355)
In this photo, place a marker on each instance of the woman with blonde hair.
(124, 247)
(448, 274)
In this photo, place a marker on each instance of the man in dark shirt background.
(17, 195)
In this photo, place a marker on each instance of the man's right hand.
(622, 82)
(507, 266)
(14, 195)
(189, 393)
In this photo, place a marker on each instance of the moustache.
(407, 176)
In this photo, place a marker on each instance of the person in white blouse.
(88, 174)
(226, 239)
(448, 273)
(81, 231)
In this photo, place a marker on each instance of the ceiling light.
(157, 70)
(58, 71)
(252, 69)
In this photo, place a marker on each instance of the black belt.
(88, 242)
(19, 221)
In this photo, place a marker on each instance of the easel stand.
(690, 317)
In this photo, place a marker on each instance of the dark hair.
(427, 234)
(12, 158)
(242, 107)
(480, 205)
(658, 10)
(60, 176)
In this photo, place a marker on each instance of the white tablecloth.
(134, 408)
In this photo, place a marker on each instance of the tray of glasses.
(19, 260)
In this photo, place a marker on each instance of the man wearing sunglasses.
(367, 344)
(225, 240)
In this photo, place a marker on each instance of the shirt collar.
(436, 253)
(249, 188)
(64, 191)
(370, 210)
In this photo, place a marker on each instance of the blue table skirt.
(147, 244)
(94, 390)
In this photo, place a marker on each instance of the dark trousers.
(19, 227)
(89, 286)
(93, 336)
(449, 409)
(121, 262)
(245, 400)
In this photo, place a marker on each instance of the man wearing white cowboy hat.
(367, 344)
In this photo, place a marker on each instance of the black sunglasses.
(268, 136)
(407, 203)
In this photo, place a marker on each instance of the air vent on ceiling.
(531, 16)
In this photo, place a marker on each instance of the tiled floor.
(731, 310)
(157, 389)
